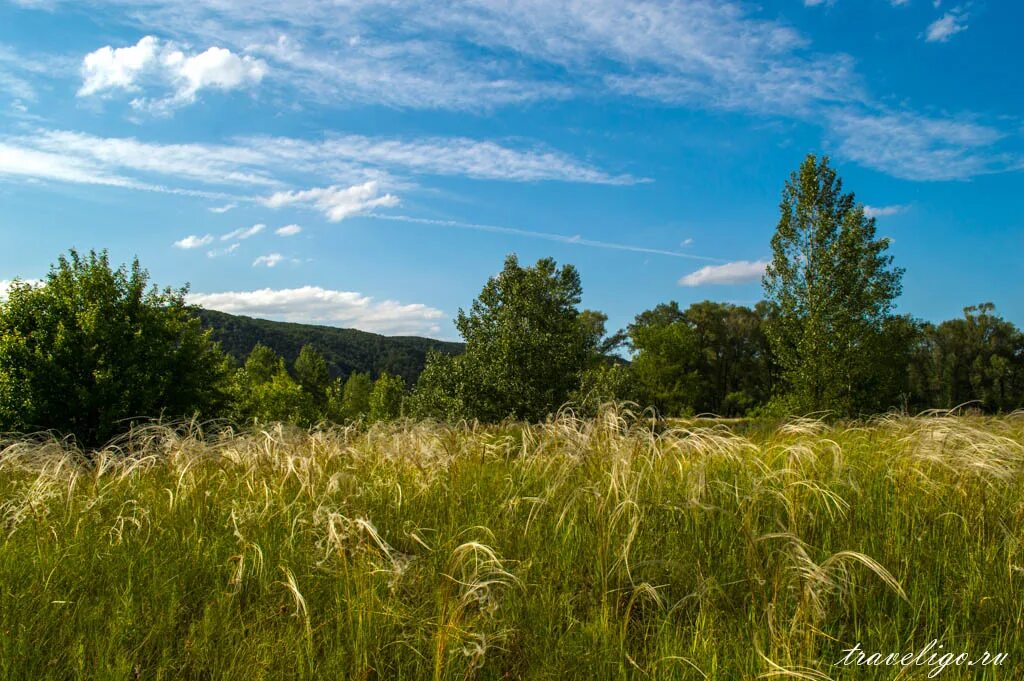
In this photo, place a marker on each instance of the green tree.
(833, 286)
(665, 360)
(977, 357)
(386, 397)
(94, 348)
(264, 391)
(262, 364)
(439, 390)
(602, 384)
(526, 345)
(712, 357)
(312, 374)
(355, 398)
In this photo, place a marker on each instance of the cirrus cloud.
(269, 260)
(945, 27)
(336, 203)
(243, 232)
(884, 211)
(288, 230)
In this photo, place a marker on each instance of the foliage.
(832, 286)
(264, 392)
(355, 399)
(978, 357)
(603, 384)
(439, 390)
(710, 358)
(94, 348)
(526, 346)
(311, 372)
(386, 397)
(591, 550)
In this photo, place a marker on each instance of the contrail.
(547, 236)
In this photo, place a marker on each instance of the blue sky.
(369, 163)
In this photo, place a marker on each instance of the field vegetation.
(606, 548)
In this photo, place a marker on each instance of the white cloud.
(336, 203)
(452, 55)
(193, 241)
(921, 148)
(269, 260)
(20, 72)
(455, 55)
(315, 305)
(883, 211)
(260, 162)
(152, 62)
(32, 163)
(288, 230)
(223, 209)
(216, 68)
(243, 232)
(218, 252)
(575, 239)
(458, 156)
(947, 26)
(110, 68)
(739, 272)
(206, 163)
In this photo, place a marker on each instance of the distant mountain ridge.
(346, 350)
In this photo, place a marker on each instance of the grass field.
(580, 549)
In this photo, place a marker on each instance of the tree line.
(95, 347)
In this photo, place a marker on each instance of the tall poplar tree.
(833, 285)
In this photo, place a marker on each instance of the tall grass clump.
(607, 548)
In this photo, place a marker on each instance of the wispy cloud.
(884, 211)
(722, 55)
(316, 305)
(218, 252)
(336, 203)
(449, 156)
(915, 147)
(243, 232)
(269, 260)
(739, 272)
(193, 241)
(288, 230)
(704, 54)
(942, 29)
(575, 239)
(248, 164)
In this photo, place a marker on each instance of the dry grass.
(592, 549)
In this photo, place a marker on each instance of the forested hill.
(346, 350)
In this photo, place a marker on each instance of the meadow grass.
(602, 548)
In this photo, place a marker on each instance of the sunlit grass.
(589, 549)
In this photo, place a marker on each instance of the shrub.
(94, 348)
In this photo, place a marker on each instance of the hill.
(346, 350)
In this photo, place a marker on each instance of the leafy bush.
(386, 397)
(263, 391)
(94, 348)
